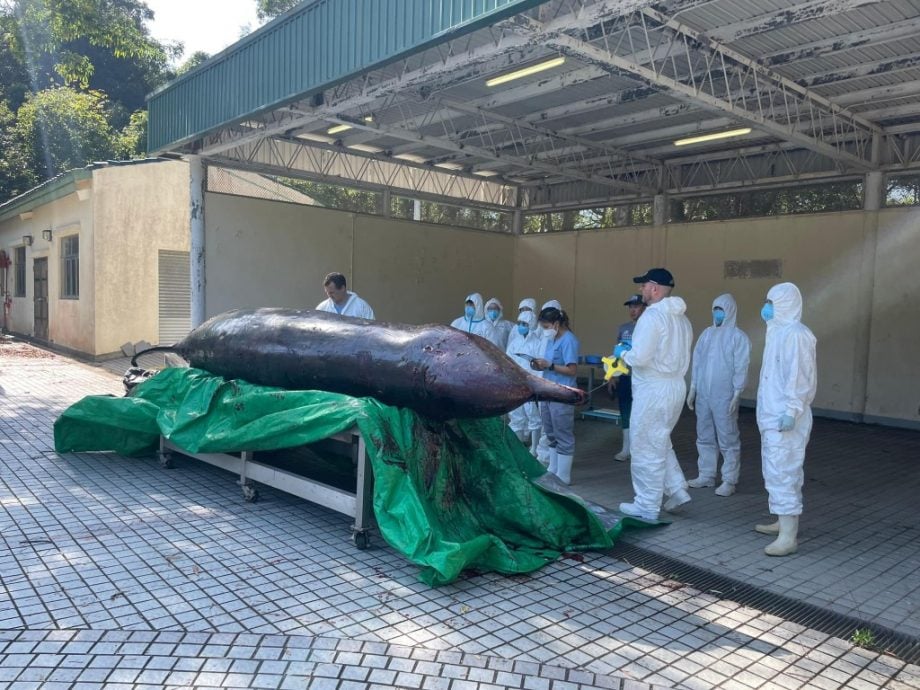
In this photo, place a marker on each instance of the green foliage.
(60, 129)
(14, 175)
(625, 215)
(196, 58)
(269, 9)
(131, 142)
(336, 196)
(39, 30)
(863, 637)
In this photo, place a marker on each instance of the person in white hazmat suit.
(659, 357)
(501, 328)
(341, 301)
(788, 381)
(473, 319)
(543, 447)
(718, 376)
(524, 344)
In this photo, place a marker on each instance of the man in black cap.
(623, 383)
(658, 357)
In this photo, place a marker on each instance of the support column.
(197, 177)
(873, 190)
(386, 200)
(517, 222)
(416, 209)
(660, 210)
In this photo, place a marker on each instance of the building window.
(20, 263)
(70, 267)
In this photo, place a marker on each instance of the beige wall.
(853, 269)
(262, 253)
(69, 321)
(139, 209)
(893, 369)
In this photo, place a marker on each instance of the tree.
(51, 37)
(14, 175)
(60, 129)
(195, 59)
(269, 9)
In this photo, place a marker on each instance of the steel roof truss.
(779, 105)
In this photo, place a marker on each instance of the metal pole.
(196, 228)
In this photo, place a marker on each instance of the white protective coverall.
(354, 306)
(501, 328)
(478, 324)
(788, 380)
(525, 420)
(719, 373)
(659, 359)
(543, 445)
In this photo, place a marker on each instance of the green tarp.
(450, 496)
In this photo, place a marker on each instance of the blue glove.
(620, 349)
(786, 423)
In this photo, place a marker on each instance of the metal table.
(358, 505)
(605, 413)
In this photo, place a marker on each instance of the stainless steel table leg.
(363, 495)
(164, 455)
(250, 492)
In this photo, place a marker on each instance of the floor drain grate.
(903, 646)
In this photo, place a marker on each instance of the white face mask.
(548, 333)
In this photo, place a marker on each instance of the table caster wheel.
(250, 493)
(165, 460)
(361, 539)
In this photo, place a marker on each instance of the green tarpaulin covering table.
(449, 496)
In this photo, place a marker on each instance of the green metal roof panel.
(306, 50)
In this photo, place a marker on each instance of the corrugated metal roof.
(310, 48)
(838, 49)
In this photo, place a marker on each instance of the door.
(40, 297)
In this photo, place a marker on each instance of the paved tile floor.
(118, 573)
(859, 537)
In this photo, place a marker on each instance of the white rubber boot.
(523, 437)
(725, 489)
(623, 455)
(534, 442)
(772, 528)
(632, 510)
(785, 543)
(701, 483)
(553, 462)
(676, 500)
(564, 468)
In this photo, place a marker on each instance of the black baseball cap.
(633, 299)
(661, 276)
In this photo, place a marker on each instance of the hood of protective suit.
(787, 303)
(727, 304)
(554, 303)
(528, 302)
(497, 303)
(672, 305)
(476, 299)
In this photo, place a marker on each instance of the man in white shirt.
(341, 301)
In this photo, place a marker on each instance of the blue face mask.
(522, 329)
(718, 316)
(767, 312)
(493, 314)
(470, 312)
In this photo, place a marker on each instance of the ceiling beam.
(907, 28)
(787, 16)
(865, 69)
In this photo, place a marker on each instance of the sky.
(208, 25)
